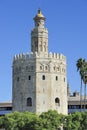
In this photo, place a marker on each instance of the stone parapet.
(56, 56)
(27, 56)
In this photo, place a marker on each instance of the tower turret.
(39, 35)
(39, 78)
(39, 19)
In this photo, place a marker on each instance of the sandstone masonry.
(39, 78)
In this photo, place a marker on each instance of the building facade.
(5, 108)
(74, 103)
(39, 78)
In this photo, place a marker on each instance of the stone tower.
(39, 78)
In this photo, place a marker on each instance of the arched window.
(43, 77)
(57, 101)
(29, 101)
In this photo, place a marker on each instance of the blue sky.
(66, 21)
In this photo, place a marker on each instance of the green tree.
(51, 120)
(81, 68)
(21, 121)
(8, 123)
(84, 120)
(73, 121)
(1, 122)
(85, 81)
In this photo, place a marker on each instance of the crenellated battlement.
(56, 56)
(27, 56)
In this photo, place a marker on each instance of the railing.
(5, 112)
(74, 110)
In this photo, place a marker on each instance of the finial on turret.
(39, 10)
(39, 15)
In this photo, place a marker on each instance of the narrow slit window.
(17, 79)
(40, 67)
(56, 78)
(45, 67)
(64, 79)
(43, 77)
(29, 77)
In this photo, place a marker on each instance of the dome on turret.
(39, 15)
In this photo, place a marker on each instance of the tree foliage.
(50, 120)
(30, 121)
(82, 68)
(76, 121)
(21, 121)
